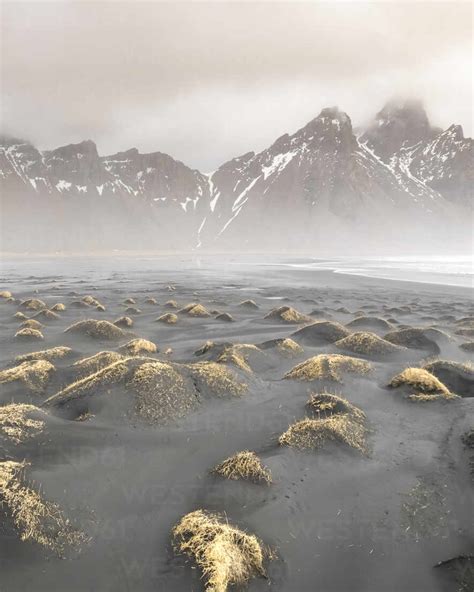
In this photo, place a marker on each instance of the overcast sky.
(206, 82)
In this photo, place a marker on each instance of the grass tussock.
(425, 386)
(33, 304)
(151, 301)
(415, 338)
(249, 304)
(195, 310)
(287, 314)
(35, 374)
(162, 394)
(132, 310)
(100, 308)
(313, 434)
(129, 301)
(6, 294)
(96, 329)
(218, 379)
(324, 405)
(244, 465)
(16, 422)
(238, 355)
(32, 324)
(47, 315)
(53, 353)
(168, 318)
(28, 334)
(20, 316)
(367, 344)
(90, 301)
(286, 346)
(94, 363)
(58, 307)
(138, 346)
(226, 555)
(123, 322)
(328, 367)
(225, 316)
(171, 304)
(35, 518)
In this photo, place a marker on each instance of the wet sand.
(338, 520)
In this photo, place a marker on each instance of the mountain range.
(326, 187)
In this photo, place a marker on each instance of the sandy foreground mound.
(368, 344)
(20, 422)
(459, 378)
(287, 314)
(328, 367)
(152, 390)
(321, 332)
(423, 385)
(414, 338)
(33, 374)
(226, 555)
(54, 353)
(35, 518)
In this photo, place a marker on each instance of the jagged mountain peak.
(399, 124)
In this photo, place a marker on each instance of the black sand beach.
(337, 519)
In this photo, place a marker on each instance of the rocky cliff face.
(320, 187)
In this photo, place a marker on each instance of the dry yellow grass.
(35, 375)
(168, 318)
(94, 363)
(35, 518)
(162, 394)
(123, 322)
(226, 555)
(104, 379)
(195, 310)
(224, 316)
(90, 300)
(132, 310)
(20, 316)
(47, 315)
(219, 379)
(151, 301)
(53, 353)
(6, 294)
(248, 304)
(96, 329)
(58, 307)
(138, 346)
(16, 422)
(324, 405)
(425, 386)
(328, 367)
(100, 308)
(289, 348)
(367, 344)
(33, 304)
(288, 314)
(129, 301)
(32, 324)
(244, 465)
(171, 304)
(28, 334)
(315, 433)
